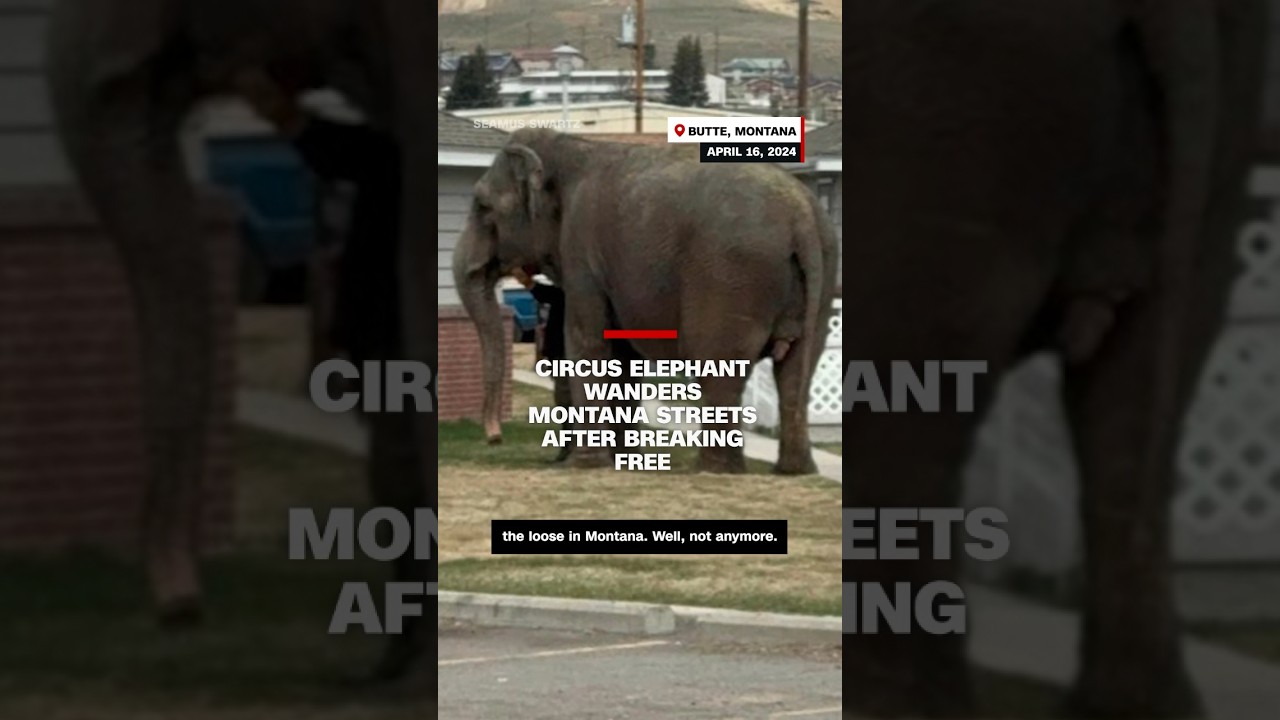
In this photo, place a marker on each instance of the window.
(826, 189)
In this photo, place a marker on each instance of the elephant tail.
(812, 237)
(1185, 55)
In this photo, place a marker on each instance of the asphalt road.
(492, 673)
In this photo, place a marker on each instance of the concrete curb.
(607, 616)
(634, 618)
(758, 627)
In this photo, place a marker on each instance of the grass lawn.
(479, 483)
(833, 448)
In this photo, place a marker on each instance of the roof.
(756, 64)
(453, 131)
(824, 140)
(608, 104)
(498, 61)
(630, 138)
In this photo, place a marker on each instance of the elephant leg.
(586, 317)
(793, 377)
(124, 147)
(900, 460)
(622, 351)
(564, 398)
(722, 392)
(1131, 651)
(391, 448)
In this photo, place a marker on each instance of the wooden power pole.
(802, 97)
(640, 48)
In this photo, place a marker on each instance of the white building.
(598, 85)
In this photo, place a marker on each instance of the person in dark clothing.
(552, 298)
(367, 308)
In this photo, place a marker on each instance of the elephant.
(1047, 176)
(739, 259)
(123, 77)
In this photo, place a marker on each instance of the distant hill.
(748, 28)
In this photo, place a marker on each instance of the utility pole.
(528, 35)
(582, 40)
(715, 64)
(802, 98)
(640, 48)
(486, 32)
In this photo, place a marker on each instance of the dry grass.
(747, 28)
(806, 579)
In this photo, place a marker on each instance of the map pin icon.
(679, 130)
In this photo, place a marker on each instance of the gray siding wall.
(451, 213)
(29, 150)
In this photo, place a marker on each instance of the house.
(542, 60)
(546, 87)
(742, 68)
(464, 153)
(502, 65)
(614, 116)
(822, 171)
(30, 153)
(72, 451)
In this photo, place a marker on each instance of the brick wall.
(461, 382)
(71, 446)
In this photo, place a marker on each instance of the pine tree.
(698, 76)
(474, 86)
(687, 85)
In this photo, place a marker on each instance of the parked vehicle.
(278, 199)
(525, 308)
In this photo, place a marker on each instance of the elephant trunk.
(476, 282)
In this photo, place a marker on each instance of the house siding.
(451, 214)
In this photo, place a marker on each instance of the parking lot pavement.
(490, 673)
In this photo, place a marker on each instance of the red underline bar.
(639, 334)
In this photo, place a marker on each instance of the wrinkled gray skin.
(739, 259)
(123, 76)
(1046, 174)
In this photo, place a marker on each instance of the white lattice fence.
(824, 395)
(1228, 503)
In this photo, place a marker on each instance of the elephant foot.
(722, 463)
(591, 458)
(398, 659)
(803, 465)
(494, 439)
(180, 613)
(1175, 700)
(884, 697)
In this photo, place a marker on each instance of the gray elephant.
(1047, 175)
(739, 259)
(123, 76)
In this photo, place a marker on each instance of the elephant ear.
(529, 175)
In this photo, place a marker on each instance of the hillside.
(757, 28)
